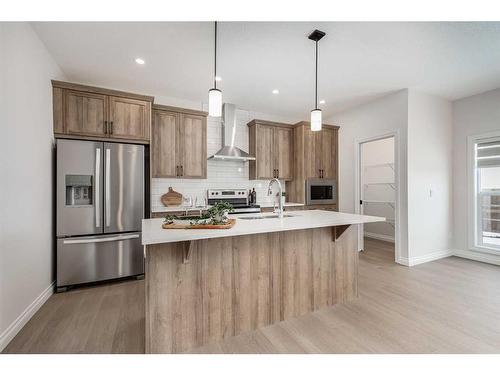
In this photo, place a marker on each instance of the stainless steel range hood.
(229, 151)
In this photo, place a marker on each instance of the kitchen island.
(205, 285)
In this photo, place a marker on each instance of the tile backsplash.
(220, 174)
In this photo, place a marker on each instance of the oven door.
(321, 191)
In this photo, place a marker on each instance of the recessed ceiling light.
(140, 61)
(322, 101)
(276, 91)
(217, 78)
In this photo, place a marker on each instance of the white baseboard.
(413, 261)
(25, 316)
(381, 237)
(478, 256)
(403, 261)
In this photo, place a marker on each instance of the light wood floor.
(448, 306)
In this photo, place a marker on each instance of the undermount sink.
(275, 216)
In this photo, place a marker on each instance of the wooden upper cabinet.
(329, 153)
(129, 118)
(84, 111)
(312, 154)
(178, 143)
(264, 152)
(283, 139)
(193, 146)
(164, 155)
(272, 145)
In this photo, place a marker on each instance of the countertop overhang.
(153, 233)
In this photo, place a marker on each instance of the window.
(486, 189)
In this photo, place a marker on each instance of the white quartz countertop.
(153, 233)
(287, 204)
(179, 209)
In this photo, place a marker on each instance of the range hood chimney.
(229, 151)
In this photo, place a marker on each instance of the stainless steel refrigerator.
(100, 206)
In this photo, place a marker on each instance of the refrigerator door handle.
(97, 181)
(102, 239)
(107, 188)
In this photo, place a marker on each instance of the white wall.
(473, 115)
(429, 177)
(380, 117)
(26, 222)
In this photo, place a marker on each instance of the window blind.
(488, 154)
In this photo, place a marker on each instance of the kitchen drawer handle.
(104, 239)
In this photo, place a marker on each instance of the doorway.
(377, 190)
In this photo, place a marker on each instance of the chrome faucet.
(270, 192)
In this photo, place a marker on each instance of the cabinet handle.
(277, 173)
(182, 170)
(177, 170)
(105, 127)
(111, 127)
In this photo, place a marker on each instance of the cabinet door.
(264, 152)
(84, 113)
(129, 118)
(312, 154)
(329, 153)
(164, 140)
(283, 141)
(193, 146)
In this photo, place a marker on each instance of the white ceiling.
(358, 61)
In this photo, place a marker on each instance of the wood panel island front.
(205, 285)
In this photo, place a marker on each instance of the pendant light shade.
(215, 95)
(316, 118)
(214, 103)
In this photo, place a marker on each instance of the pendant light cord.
(215, 57)
(316, 91)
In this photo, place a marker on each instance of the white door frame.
(397, 179)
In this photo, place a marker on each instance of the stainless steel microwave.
(321, 191)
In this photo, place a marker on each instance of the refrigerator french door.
(100, 206)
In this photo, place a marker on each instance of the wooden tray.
(229, 224)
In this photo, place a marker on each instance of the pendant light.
(215, 95)
(316, 118)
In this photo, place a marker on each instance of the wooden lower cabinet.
(233, 285)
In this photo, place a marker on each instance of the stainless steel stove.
(238, 198)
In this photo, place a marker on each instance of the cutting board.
(172, 198)
(228, 225)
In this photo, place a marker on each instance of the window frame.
(474, 210)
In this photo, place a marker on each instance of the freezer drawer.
(97, 258)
